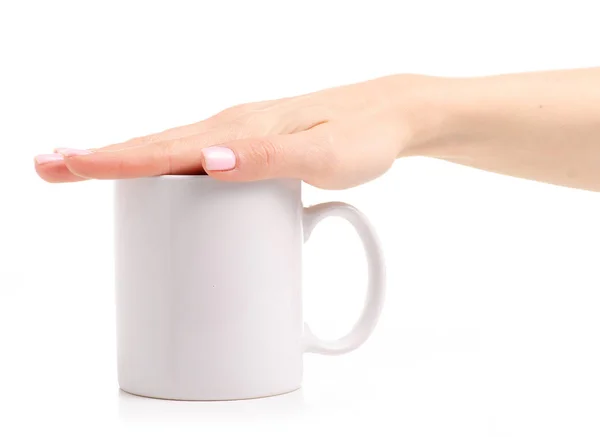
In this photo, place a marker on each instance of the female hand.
(336, 138)
(543, 126)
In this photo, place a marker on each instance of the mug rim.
(179, 176)
(201, 176)
(204, 178)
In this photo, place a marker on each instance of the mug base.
(201, 399)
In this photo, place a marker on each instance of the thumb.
(301, 155)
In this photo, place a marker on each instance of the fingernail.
(71, 152)
(218, 158)
(50, 157)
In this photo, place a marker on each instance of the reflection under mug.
(208, 286)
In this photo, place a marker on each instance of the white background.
(491, 323)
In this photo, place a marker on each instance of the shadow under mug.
(208, 286)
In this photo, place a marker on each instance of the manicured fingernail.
(217, 158)
(50, 157)
(72, 152)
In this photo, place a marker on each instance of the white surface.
(491, 322)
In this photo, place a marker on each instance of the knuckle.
(265, 152)
(231, 112)
(248, 119)
(230, 130)
(235, 128)
(165, 158)
(326, 164)
(147, 139)
(252, 123)
(324, 158)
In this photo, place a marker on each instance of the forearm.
(543, 126)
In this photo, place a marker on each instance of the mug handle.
(376, 285)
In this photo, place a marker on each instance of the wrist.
(428, 115)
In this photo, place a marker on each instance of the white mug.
(208, 287)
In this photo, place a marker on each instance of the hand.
(336, 138)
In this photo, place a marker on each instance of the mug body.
(208, 287)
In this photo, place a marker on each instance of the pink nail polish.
(50, 157)
(217, 158)
(71, 152)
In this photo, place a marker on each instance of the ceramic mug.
(208, 287)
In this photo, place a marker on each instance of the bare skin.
(543, 126)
